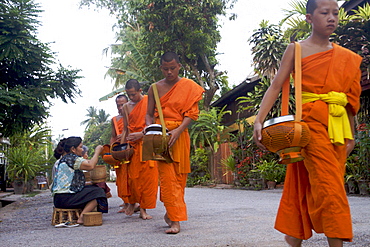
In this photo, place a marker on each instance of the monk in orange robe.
(314, 197)
(179, 101)
(143, 175)
(121, 169)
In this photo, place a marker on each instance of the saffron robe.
(179, 102)
(314, 197)
(143, 175)
(121, 171)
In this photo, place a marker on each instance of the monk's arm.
(113, 137)
(272, 92)
(125, 123)
(149, 117)
(175, 133)
(350, 143)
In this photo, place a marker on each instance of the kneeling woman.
(72, 193)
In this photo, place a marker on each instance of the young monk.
(314, 197)
(143, 175)
(121, 169)
(179, 100)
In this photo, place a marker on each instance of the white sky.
(80, 35)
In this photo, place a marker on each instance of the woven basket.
(93, 219)
(286, 138)
(98, 174)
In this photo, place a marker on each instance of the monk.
(143, 175)
(121, 169)
(314, 197)
(179, 100)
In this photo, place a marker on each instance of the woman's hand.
(99, 149)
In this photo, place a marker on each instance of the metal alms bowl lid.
(153, 132)
(154, 128)
(277, 120)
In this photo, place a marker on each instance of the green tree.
(189, 28)
(30, 153)
(97, 135)
(102, 117)
(295, 18)
(27, 82)
(353, 33)
(128, 55)
(91, 117)
(268, 47)
(206, 130)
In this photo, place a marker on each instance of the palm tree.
(92, 117)
(296, 20)
(102, 117)
(268, 48)
(129, 60)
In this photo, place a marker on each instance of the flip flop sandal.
(70, 224)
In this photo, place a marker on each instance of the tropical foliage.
(189, 28)
(200, 174)
(354, 34)
(97, 135)
(271, 170)
(205, 131)
(95, 118)
(29, 154)
(247, 155)
(298, 28)
(27, 81)
(268, 47)
(128, 55)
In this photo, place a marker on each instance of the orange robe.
(314, 197)
(179, 102)
(143, 175)
(121, 171)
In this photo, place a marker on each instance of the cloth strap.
(339, 127)
(298, 97)
(125, 111)
(160, 113)
(115, 123)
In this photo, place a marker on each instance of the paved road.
(217, 217)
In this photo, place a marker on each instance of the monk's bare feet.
(123, 207)
(144, 215)
(122, 210)
(130, 209)
(292, 241)
(167, 220)
(174, 228)
(137, 207)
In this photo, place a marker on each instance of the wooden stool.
(61, 215)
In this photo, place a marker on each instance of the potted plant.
(353, 175)
(272, 172)
(229, 164)
(23, 166)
